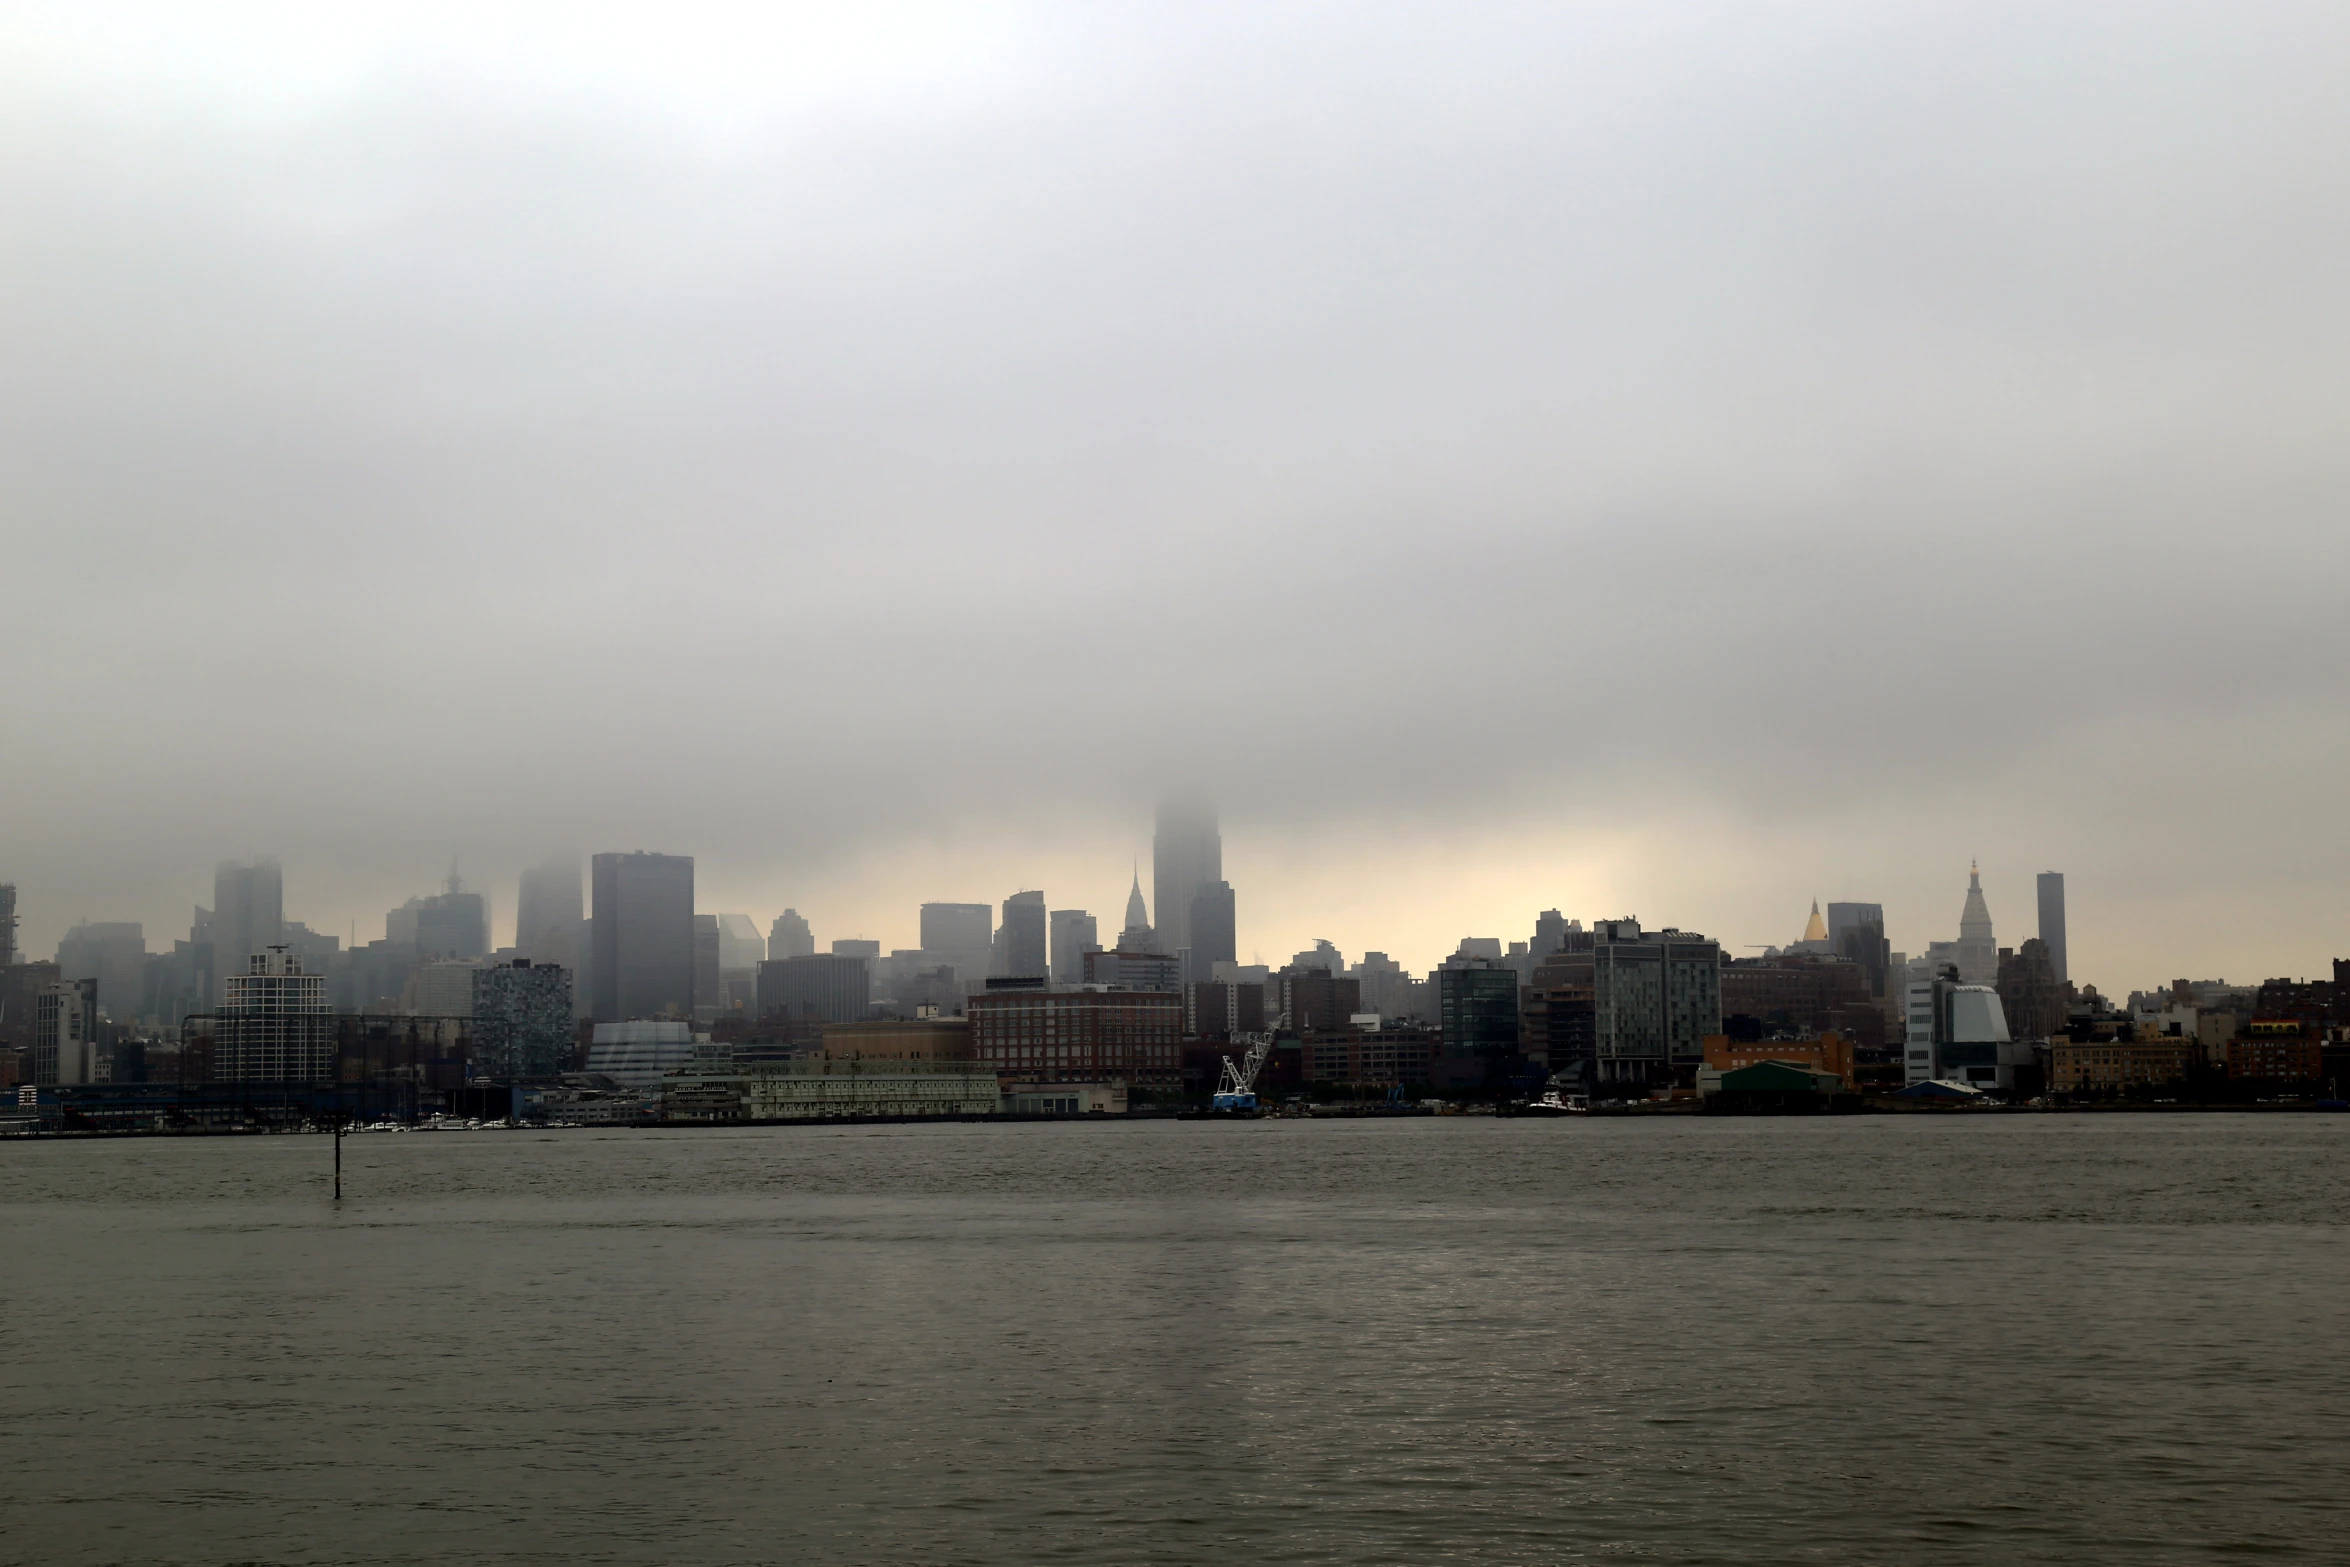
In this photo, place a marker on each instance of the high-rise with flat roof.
(274, 1025)
(1073, 934)
(643, 936)
(1655, 996)
(2052, 923)
(522, 1015)
(7, 924)
(962, 936)
(1214, 934)
(1021, 943)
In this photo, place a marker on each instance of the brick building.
(1130, 1036)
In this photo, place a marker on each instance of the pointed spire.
(1817, 930)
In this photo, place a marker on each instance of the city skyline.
(1912, 931)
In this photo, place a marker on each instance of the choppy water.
(1889, 1339)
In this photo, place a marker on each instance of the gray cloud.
(1916, 416)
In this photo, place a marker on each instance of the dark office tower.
(830, 989)
(1021, 943)
(452, 923)
(248, 916)
(1213, 933)
(1074, 933)
(7, 924)
(1845, 916)
(790, 937)
(1187, 855)
(709, 963)
(643, 941)
(2052, 923)
(548, 914)
(961, 935)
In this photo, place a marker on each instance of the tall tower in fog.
(248, 916)
(1187, 858)
(548, 913)
(2052, 922)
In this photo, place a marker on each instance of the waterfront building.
(1369, 1057)
(638, 1053)
(1131, 1036)
(716, 1087)
(522, 1019)
(1477, 1006)
(1656, 995)
(1556, 1024)
(1957, 1032)
(65, 1035)
(2051, 889)
(1072, 934)
(2282, 1050)
(642, 936)
(2118, 1064)
(274, 1024)
(832, 987)
(1830, 1052)
(899, 1039)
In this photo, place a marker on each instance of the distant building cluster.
(621, 1001)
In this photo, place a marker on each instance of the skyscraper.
(643, 921)
(1137, 936)
(790, 937)
(452, 923)
(1021, 948)
(2052, 923)
(274, 1025)
(248, 915)
(1978, 952)
(1073, 934)
(7, 923)
(548, 913)
(961, 935)
(1214, 935)
(1187, 854)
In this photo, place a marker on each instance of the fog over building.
(550, 913)
(1021, 943)
(248, 915)
(1187, 857)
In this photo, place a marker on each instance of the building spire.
(1817, 929)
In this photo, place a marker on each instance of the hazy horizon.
(1680, 463)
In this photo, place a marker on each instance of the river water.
(1997, 1339)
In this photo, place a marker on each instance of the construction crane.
(1237, 1088)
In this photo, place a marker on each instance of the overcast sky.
(1673, 460)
